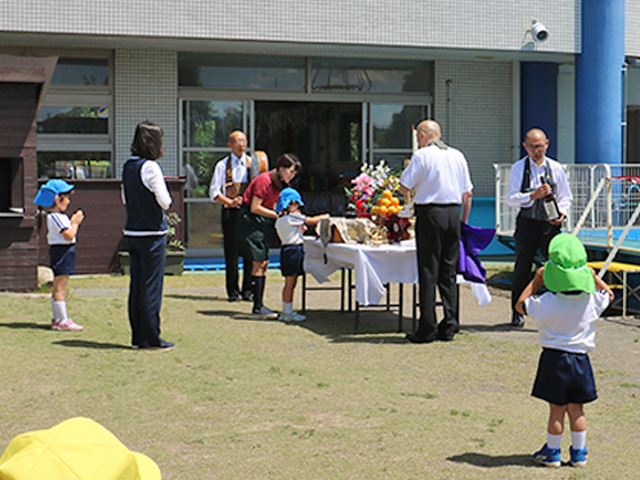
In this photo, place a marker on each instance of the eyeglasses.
(536, 147)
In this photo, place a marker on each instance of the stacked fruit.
(386, 205)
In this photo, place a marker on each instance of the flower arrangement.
(372, 195)
(372, 191)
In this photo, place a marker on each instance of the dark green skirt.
(254, 233)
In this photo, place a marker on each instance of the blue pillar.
(539, 101)
(599, 85)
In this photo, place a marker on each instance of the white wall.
(464, 24)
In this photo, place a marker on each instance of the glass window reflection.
(74, 165)
(242, 72)
(73, 120)
(392, 124)
(209, 123)
(81, 71)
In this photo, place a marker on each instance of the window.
(242, 72)
(371, 76)
(391, 132)
(74, 126)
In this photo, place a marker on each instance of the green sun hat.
(567, 268)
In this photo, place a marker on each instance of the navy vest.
(143, 212)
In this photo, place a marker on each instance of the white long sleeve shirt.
(517, 199)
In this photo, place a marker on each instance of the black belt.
(425, 205)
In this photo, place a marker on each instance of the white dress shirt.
(518, 199)
(239, 174)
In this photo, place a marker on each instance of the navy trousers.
(147, 257)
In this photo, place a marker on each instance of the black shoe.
(247, 296)
(411, 338)
(167, 345)
(234, 298)
(517, 320)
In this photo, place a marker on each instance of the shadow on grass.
(501, 327)
(339, 327)
(33, 326)
(196, 297)
(481, 460)
(89, 344)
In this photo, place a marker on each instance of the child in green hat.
(566, 315)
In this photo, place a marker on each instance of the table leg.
(400, 303)
(357, 316)
(342, 289)
(304, 292)
(624, 294)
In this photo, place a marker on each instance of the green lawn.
(244, 399)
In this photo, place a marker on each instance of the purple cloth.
(472, 241)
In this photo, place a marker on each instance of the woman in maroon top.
(259, 205)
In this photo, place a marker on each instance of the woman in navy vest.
(145, 194)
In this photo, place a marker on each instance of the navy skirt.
(564, 377)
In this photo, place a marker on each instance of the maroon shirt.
(262, 187)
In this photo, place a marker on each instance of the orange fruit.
(395, 201)
(385, 202)
(387, 194)
(383, 210)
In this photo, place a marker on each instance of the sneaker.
(292, 317)
(67, 325)
(264, 313)
(578, 456)
(547, 456)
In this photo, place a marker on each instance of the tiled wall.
(479, 96)
(477, 24)
(145, 87)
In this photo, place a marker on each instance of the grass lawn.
(240, 398)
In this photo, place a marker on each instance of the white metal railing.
(609, 208)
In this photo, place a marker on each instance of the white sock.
(578, 439)
(553, 441)
(287, 307)
(59, 311)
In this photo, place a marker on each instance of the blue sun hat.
(287, 196)
(47, 193)
(567, 268)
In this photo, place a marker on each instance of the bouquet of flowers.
(374, 187)
(372, 195)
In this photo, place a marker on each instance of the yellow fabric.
(76, 449)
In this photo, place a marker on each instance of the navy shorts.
(564, 377)
(62, 259)
(292, 260)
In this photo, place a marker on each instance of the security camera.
(539, 31)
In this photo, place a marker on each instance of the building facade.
(337, 82)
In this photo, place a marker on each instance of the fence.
(604, 199)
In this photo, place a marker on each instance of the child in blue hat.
(54, 198)
(291, 225)
(566, 316)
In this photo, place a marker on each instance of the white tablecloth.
(373, 266)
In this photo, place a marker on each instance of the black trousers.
(233, 249)
(531, 235)
(147, 259)
(438, 246)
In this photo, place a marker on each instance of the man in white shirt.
(439, 176)
(230, 179)
(533, 178)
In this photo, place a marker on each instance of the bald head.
(237, 143)
(536, 144)
(428, 130)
